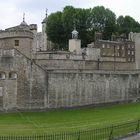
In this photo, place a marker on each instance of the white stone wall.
(136, 38)
(75, 46)
(93, 53)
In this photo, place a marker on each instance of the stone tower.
(75, 43)
(136, 38)
(44, 35)
(18, 37)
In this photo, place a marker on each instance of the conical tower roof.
(23, 22)
(45, 19)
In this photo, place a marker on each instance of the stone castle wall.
(85, 88)
(24, 37)
(136, 38)
(33, 78)
(84, 64)
(16, 33)
(35, 87)
(27, 89)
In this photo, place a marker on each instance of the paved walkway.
(135, 137)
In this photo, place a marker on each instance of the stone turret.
(75, 43)
(19, 37)
(74, 34)
(44, 35)
(33, 28)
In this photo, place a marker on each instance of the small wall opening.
(2, 75)
(12, 75)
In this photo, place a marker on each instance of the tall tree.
(55, 30)
(127, 24)
(83, 20)
(64, 23)
(76, 17)
(87, 22)
(68, 19)
(103, 20)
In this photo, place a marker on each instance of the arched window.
(2, 75)
(12, 75)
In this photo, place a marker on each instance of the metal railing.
(106, 133)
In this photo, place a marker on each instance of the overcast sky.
(11, 11)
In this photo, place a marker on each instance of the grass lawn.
(67, 120)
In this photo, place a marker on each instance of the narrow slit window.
(16, 42)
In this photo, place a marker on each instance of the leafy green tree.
(60, 25)
(55, 30)
(83, 26)
(68, 19)
(127, 24)
(76, 17)
(103, 20)
(87, 22)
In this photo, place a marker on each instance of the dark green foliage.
(87, 22)
(127, 24)
(60, 26)
(103, 20)
(55, 29)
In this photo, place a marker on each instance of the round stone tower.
(19, 37)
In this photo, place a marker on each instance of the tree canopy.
(103, 20)
(59, 25)
(55, 29)
(126, 25)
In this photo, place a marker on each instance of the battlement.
(18, 33)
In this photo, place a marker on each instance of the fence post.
(137, 127)
(111, 133)
(78, 136)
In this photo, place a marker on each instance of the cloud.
(122, 7)
(11, 11)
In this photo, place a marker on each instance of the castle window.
(2, 75)
(123, 54)
(16, 42)
(128, 51)
(118, 47)
(12, 75)
(129, 46)
(108, 46)
(103, 46)
(132, 52)
(122, 47)
(103, 53)
(129, 59)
